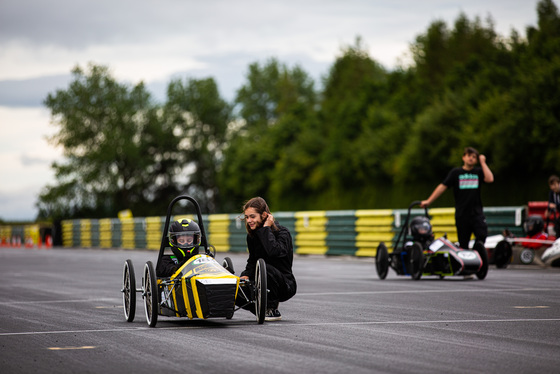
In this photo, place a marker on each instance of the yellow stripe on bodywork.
(186, 298)
(196, 299)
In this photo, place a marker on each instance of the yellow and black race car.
(200, 288)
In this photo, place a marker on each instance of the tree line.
(367, 138)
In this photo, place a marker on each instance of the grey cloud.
(27, 160)
(19, 205)
(31, 92)
(230, 72)
(76, 24)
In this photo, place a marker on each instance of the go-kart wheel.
(261, 292)
(527, 256)
(502, 254)
(150, 294)
(416, 262)
(129, 291)
(481, 249)
(228, 265)
(382, 260)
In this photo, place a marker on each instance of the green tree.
(120, 153)
(458, 69)
(499, 95)
(355, 85)
(200, 117)
(273, 106)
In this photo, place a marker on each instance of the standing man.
(466, 182)
(554, 194)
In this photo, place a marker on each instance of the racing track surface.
(61, 312)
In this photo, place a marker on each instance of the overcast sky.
(153, 41)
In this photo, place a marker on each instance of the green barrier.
(372, 228)
(345, 232)
(154, 230)
(311, 233)
(341, 232)
(218, 232)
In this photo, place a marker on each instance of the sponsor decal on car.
(467, 255)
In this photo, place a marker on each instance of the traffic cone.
(48, 242)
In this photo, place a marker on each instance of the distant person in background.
(268, 240)
(466, 182)
(553, 194)
(554, 202)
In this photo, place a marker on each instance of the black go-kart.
(201, 288)
(417, 254)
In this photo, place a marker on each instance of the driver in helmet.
(184, 240)
(421, 229)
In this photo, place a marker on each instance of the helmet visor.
(185, 239)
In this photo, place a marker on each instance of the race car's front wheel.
(228, 265)
(481, 249)
(416, 261)
(502, 254)
(129, 291)
(150, 294)
(382, 260)
(261, 291)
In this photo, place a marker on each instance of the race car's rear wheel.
(481, 249)
(502, 254)
(129, 291)
(416, 261)
(382, 260)
(261, 292)
(228, 265)
(150, 294)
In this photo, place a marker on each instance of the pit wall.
(348, 232)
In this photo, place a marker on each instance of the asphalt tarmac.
(61, 312)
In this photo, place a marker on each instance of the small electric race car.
(200, 288)
(416, 253)
(508, 249)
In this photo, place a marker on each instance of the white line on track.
(475, 290)
(300, 294)
(284, 324)
(58, 301)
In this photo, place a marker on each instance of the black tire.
(261, 291)
(150, 294)
(129, 291)
(228, 265)
(416, 261)
(502, 254)
(382, 260)
(481, 249)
